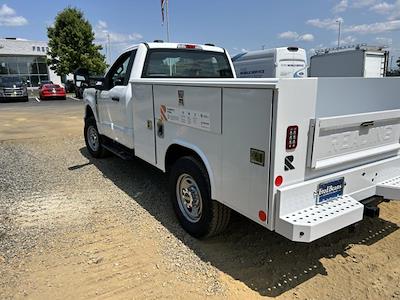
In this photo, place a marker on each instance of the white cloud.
(102, 24)
(392, 10)
(5, 10)
(289, 35)
(341, 6)
(384, 41)
(363, 3)
(329, 23)
(102, 32)
(292, 35)
(308, 37)
(348, 40)
(8, 17)
(379, 27)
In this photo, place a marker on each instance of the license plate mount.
(330, 190)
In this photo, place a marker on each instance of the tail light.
(189, 46)
(291, 137)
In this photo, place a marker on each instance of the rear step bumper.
(300, 219)
(316, 221)
(389, 189)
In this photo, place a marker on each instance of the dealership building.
(26, 60)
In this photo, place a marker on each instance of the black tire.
(26, 99)
(214, 215)
(97, 152)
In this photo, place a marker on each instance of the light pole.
(108, 48)
(339, 21)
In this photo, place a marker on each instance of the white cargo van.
(357, 61)
(284, 62)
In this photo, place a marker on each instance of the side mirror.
(97, 82)
(119, 81)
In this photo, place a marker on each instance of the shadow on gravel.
(265, 261)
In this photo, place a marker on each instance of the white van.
(284, 62)
(352, 61)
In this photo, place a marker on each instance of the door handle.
(115, 98)
(160, 128)
(367, 124)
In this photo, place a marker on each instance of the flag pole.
(167, 15)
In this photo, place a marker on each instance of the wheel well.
(88, 112)
(175, 152)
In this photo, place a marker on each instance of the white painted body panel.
(349, 63)
(271, 63)
(222, 119)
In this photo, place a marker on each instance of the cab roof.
(166, 45)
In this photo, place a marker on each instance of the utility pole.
(339, 21)
(109, 48)
(167, 13)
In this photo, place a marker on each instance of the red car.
(52, 91)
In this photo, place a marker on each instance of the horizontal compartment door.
(336, 140)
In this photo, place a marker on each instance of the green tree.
(71, 44)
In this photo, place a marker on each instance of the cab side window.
(121, 70)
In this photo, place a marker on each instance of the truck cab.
(112, 97)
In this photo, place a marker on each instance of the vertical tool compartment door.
(143, 122)
(246, 138)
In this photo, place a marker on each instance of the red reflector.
(262, 215)
(278, 180)
(291, 137)
(190, 46)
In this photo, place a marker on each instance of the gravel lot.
(75, 227)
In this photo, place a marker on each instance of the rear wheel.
(190, 194)
(93, 139)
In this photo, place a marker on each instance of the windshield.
(186, 64)
(10, 80)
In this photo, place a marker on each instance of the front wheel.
(190, 194)
(93, 139)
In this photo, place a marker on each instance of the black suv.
(12, 89)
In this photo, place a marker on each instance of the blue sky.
(235, 25)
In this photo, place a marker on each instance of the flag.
(162, 10)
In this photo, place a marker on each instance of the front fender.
(89, 98)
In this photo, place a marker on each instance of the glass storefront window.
(3, 68)
(42, 68)
(13, 68)
(28, 68)
(33, 69)
(23, 67)
(35, 80)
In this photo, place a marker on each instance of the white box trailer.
(357, 62)
(283, 62)
(303, 157)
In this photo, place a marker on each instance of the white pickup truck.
(303, 157)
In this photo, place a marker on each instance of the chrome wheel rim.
(93, 138)
(189, 198)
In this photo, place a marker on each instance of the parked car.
(52, 91)
(43, 82)
(12, 89)
(69, 86)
